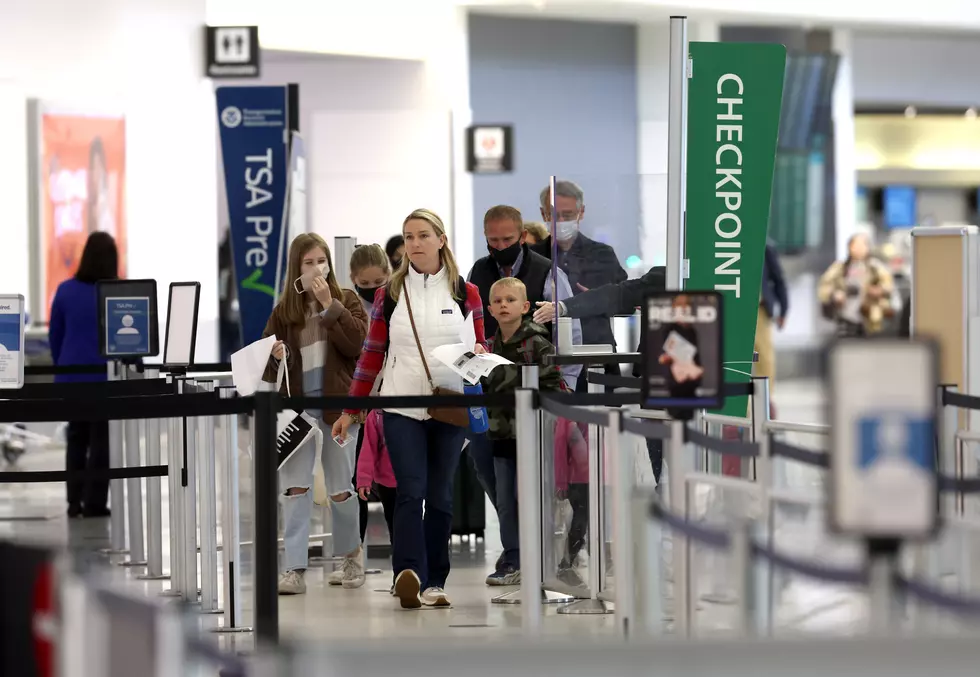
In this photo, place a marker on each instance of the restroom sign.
(489, 149)
(232, 51)
(883, 460)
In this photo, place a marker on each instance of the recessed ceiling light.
(910, 112)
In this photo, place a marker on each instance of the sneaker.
(504, 576)
(292, 583)
(407, 587)
(336, 577)
(353, 570)
(436, 597)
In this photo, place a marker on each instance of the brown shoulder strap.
(411, 318)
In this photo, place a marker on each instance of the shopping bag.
(294, 428)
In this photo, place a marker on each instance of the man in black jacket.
(587, 263)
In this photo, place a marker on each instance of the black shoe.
(97, 512)
(74, 510)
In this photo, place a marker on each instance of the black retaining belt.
(732, 447)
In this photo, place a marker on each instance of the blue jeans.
(507, 514)
(424, 456)
(481, 453)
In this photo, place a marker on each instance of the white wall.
(143, 57)
(916, 68)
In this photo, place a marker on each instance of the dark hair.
(100, 259)
(392, 245)
(96, 151)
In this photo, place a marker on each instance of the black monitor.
(128, 325)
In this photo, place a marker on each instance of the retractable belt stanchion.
(154, 498)
(622, 490)
(208, 509)
(593, 605)
(175, 497)
(230, 535)
(761, 604)
(117, 491)
(134, 485)
(265, 496)
(679, 544)
(188, 479)
(529, 502)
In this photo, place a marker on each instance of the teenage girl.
(320, 329)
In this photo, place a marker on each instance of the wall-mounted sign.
(232, 51)
(682, 350)
(490, 149)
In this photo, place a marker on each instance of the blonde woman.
(320, 328)
(536, 232)
(427, 291)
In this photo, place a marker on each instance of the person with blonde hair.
(319, 329)
(423, 306)
(536, 232)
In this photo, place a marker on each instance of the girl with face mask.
(320, 328)
(369, 271)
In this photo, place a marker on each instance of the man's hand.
(545, 312)
(780, 322)
(581, 288)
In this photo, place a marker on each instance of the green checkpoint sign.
(735, 93)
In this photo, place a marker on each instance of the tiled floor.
(370, 611)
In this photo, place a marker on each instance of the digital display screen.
(899, 206)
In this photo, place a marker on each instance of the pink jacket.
(571, 454)
(374, 464)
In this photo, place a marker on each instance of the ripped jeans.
(297, 473)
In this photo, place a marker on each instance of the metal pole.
(154, 498)
(117, 491)
(208, 509)
(266, 603)
(175, 501)
(676, 152)
(529, 508)
(675, 466)
(134, 486)
(760, 416)
(230, 534)
(617, 447)
(741, 557)
(764, 588)
(649, 575)
(188, 490)
(882, 558)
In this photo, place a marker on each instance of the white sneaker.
(353, 570)
(292, 583)
(436, 597)
(407, 587)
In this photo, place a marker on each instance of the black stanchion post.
(266, 547)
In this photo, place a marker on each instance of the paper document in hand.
(462, 360)
(248, 365)
(679, 348)
(467, 333)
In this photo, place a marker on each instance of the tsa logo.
(231, 116)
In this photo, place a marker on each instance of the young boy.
(522, 342)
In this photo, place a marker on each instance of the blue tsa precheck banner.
(11, 341)
(127, 321)
(253, 130)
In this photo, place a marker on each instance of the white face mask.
(566, 230)
(305, 281)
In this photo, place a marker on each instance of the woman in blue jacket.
(74, 338)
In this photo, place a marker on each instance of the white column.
(845, 156)
(652, 74)
(447, 68)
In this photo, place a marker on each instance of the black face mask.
(505, 257)
(366, 293)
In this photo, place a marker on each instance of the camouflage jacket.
(528, 345)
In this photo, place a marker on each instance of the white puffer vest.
(438, 319)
